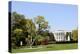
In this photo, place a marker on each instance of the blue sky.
(59, 16)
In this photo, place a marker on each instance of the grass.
(48, 47)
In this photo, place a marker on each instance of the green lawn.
(48, 47)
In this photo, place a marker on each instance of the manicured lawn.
(49, 47)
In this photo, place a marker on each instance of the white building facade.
(60, 35)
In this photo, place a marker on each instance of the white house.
(60, 35)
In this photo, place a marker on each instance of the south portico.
(60, 35)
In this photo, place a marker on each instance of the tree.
(21, 27)
(30, 29)
(19, 35)
(41, 22)
(75, 35)
(41, 31)
(16, 29)
(51, 36)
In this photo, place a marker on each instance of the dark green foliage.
(21, 28)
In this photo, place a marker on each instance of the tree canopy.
(24, 28)
(75, 35)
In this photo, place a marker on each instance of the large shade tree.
(42, 29)
(21, 28)
(42, 23)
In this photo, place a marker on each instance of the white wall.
(60, 37)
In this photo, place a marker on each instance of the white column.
(21, 43)
(68, 38)
(59, 36)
